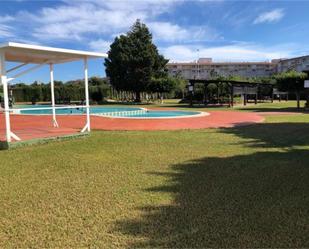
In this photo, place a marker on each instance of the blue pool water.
(93, 110)
(123, 112)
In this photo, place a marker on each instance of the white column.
(87, 93)
(6, 97)
(52, 89)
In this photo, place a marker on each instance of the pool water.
(93, 110)
(117, 112)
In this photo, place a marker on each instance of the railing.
(122, 113)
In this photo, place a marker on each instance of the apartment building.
(205, 68)
(300, 64)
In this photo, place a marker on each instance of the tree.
(291, 81)
(73, 90)
(162, 85)
(180, 87)
(133, 61)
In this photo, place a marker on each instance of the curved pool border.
(198, 114)
(18, 111)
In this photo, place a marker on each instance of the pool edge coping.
(200, 114)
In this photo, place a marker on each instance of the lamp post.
(198, 65)
(190, 89)
(306, 85)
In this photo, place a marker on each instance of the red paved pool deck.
(30, 127)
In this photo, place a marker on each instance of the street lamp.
(198, 65)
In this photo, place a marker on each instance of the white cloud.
(166, 31)
(154, 7)
(100, 45)
(74, 20)
(270, 16)
(6, 18)
(85, 21)
(5, 31)
(235, 52)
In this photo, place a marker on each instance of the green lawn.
(236, 187)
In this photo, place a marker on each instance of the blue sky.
(182, 30)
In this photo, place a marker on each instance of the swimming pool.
(36, 110)
(115, 112)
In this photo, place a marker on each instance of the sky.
(183, 30)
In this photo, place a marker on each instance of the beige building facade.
(205, 68)
(300, 64)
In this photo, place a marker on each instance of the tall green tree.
(162, 85)
(180, 87)
(291, 81)
(133, 61)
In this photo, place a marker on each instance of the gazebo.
(31, 58)
(244, 88)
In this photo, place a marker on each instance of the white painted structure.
(26, 54)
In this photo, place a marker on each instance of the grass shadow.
(255, 200)
(272, 135)
(273, 109)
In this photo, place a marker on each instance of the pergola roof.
(26, 53)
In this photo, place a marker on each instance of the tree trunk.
(298, 100)
(138, 97)
(205, 95)
(232, 96)
(245, 99)
(191, 98)
(218, 94)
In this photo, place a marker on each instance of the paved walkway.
(30, 127)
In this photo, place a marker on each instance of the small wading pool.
(115, 112)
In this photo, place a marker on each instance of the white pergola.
(37, 57)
